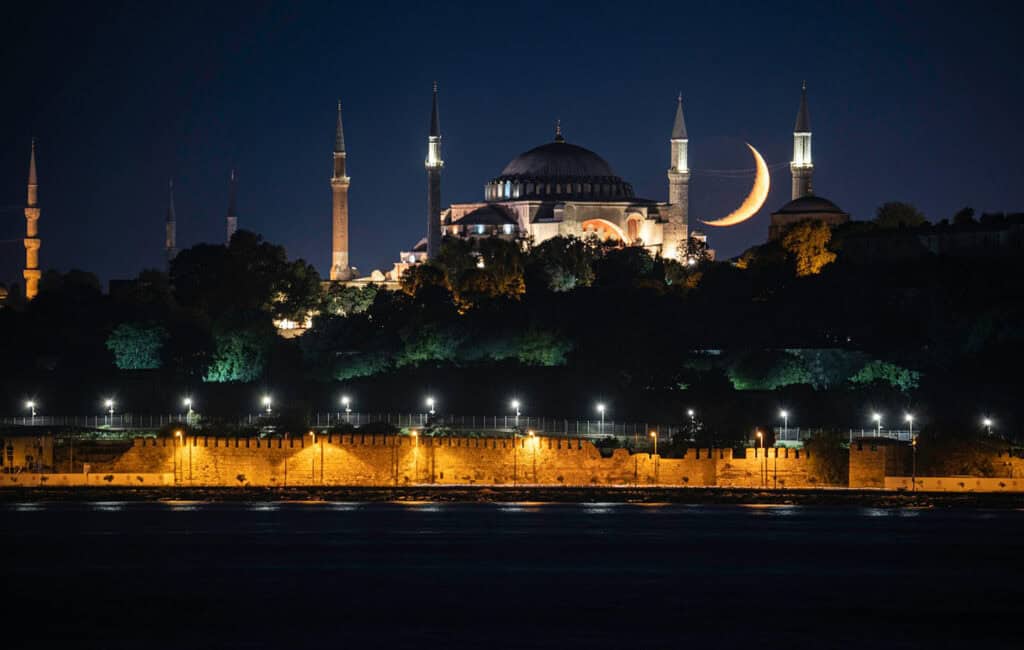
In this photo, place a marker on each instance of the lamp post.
(764, 463)
(877, 417)
(430, 405)
(987, 423)
(784, 414)
(415, 454)
(110, 409)
(515, 406)
(913, 453)
(188, 414)
(693, 419)
(534, 443)
(268, 402)
(600, 409)
(347, 403)
(312, 460)
(31, 406)
(177, 434)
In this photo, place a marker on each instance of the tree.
(894, 214)
(561, 264)
(807, 244)
(249, 279)
(344, 300)
(694, 251)
(964, 216)
(239, 356)
(883, 372)
(137, 346)
(421, 276)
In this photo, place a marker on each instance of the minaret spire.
(171, 226)
(341, 270)
(802, 166)
(232, 216)
(339, 134)
(558, 131)
(434, 163)
(675, 232)
(32, 241)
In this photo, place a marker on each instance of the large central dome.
(558, 171)
(558, 160)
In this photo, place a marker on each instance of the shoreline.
(499, 494)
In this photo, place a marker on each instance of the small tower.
(340, 268)
(171, 240)
(232, 217)
(32, 241)
(802, 168)
(434, 164)
(674, 231)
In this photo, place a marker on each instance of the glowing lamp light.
(783, 414)
(600, 408)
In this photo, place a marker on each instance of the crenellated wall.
(379, 460)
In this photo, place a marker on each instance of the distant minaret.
(232, 218)
(340, 268)
(171, 241)
(434, 164)
(32, 241)
(802, 168)
(675, 231)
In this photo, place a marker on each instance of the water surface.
(593, 575)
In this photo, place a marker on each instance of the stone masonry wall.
(378, 460)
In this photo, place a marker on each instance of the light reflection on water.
(108, 506)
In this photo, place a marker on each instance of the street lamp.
(654, 436)
(110, 409)
(877, 417)
(515, 405)
(268, 402)
(31, 406)
(600, 409)
(188, 405)
(347, 403)
(987, 423)
(430, 404)
(913, 453)
(784, 414)
(764, 460)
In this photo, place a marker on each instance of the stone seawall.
(379, 460)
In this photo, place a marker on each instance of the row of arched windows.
(507, 189)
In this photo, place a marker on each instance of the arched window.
(508, 189)
(633, 229)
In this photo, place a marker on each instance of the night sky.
(917, 102)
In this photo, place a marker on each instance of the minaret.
(675, 231)
(171, 241)
(32, 241)
(802, 168)
(340, 268)
(434, 164)
(232, 218)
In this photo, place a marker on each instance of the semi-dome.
(558, 171)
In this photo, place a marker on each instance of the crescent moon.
(754, 201)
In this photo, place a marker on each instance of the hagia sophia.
(555, 189)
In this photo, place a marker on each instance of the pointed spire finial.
(679, 124)
(170, 200)
(803, 116)
(339, 134)
(32, 164)
(435, 120)
(558, 131)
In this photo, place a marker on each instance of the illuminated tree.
(237, 357)
(807, 244)
(883, 372)
(894, 214)
(137, 346)
(562, 263)
(342, 300)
